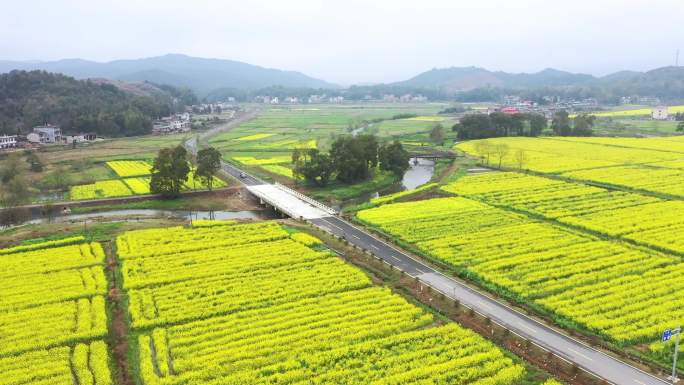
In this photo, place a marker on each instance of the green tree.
(394, 158)
(313, 166)
(169, 171)
(208, 164)
(352, 157)
(35, 164)
(11, 168)
(437, 133)
(680, 126)
(583, 125)
(57, 179)
(369, 146)
(538, 123)
(561, 123)
(15, 192)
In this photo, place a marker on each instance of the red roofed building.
(510, 110)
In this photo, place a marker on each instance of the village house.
(8, 141)
(660, 113)
(46, 134)
(79, 138)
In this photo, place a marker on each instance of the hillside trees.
(37, 97)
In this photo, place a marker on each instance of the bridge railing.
(306, 199)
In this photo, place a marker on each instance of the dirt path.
(118, 334)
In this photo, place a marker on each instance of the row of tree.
(496, 124)
(580, 125)
(351, 159)
(171, 168)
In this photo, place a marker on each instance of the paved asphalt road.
(601, 364)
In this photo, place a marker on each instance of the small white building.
(46, 134)
(660, 113)
(8, 141)
(79, 138)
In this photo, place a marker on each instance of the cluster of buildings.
(175, 123)
(406, 98)
(641, 100)
(42, 135)
(214, 108)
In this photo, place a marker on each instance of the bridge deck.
(287, 202)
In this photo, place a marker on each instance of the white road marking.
(639, 382)
(355, 236)
(395, 258)
(484, 305)
(527, 327)
(375, 247)
(335, 226)
(580, 354)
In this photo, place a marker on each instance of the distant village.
(515, 104)
(44, 135)
(325, 99)
(52, 135)
(182, 122)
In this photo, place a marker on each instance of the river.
(421, 172)
(131, 214)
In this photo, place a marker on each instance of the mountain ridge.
(199, 74)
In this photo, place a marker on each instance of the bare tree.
(520, 158)
(484, 149)
(501, 150)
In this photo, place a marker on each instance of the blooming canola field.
(224, 302)
(255, 304)
(644, 165)
(52, 314)
(596, 283)
(134, 180)
(586, 230)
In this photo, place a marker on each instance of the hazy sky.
(352, 41)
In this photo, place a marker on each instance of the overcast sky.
(354, 41)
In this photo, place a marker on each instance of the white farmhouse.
(660, 113)
(8, 141)
(47, 134)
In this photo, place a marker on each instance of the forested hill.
(31, 98)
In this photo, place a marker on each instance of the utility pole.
(667, 334)
(677, 58)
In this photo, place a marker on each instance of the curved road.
(592, 360)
